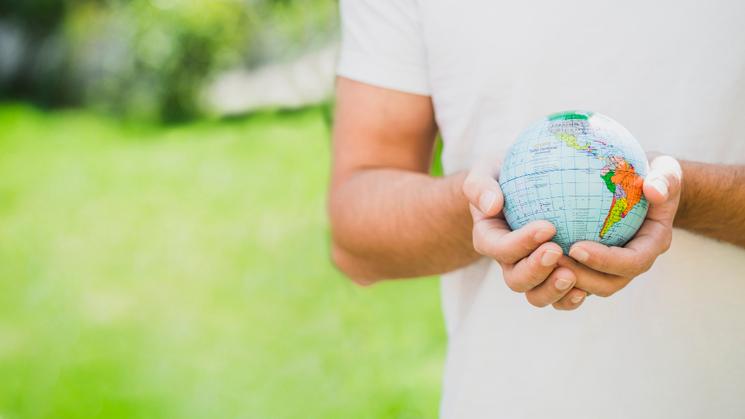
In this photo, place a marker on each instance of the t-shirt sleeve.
(382, 45)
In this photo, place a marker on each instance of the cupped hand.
(529, 261)
(603, 270)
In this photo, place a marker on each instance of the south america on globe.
(581, 171)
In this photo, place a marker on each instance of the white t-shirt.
(672, 343)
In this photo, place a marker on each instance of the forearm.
(389, 223)
(713, 201)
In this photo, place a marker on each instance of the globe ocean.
(583, 172)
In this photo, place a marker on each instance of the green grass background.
(183, 272)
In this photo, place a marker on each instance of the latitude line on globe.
(504, 182)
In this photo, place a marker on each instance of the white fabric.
(670, 345)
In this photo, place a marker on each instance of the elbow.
(352, 267)
(353, 264)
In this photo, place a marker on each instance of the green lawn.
(182, 272)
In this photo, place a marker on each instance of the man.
(670, 343)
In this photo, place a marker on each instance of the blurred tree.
(149, 59)
(32, 24)
(37, 15)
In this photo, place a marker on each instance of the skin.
(391, 219)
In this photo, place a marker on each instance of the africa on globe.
(581, 171)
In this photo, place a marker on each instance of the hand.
(603, 270)
(528, 259)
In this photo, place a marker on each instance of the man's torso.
(673, 73)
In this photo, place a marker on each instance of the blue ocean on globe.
(581, 171)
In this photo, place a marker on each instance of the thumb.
(662, 186)
(663, 181)
(483, 191)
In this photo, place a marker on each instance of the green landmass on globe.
(583, 172)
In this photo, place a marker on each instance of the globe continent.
(581, 171)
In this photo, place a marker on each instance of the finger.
(571, 300)
(662, 187)
(629, 261)
(594, 282)
(483, 191)
(653, 239)
(663, 180)
(558, 284)
(515, 245)
(487, 232)
(534, 269)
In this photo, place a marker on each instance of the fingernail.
(550, 257)
(579, 254)
(487, 201)
(577, 299)
(543, 235)
(660, 185)
(563, 283)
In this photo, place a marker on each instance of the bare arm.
(713, 201)
(389, 217)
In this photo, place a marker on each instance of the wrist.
(459, 208)
(458, 198)
(456, 180)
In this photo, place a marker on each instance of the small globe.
(583, 172)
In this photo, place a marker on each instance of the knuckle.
(637, 265)
(533, 268)
(634, 270)
(474, 185)
(499, 257)
(514, 283)
(616, 286)
(526, 246)
(513, 286)
(499, 253)
(601, 263)
(471, 188)
(478, 245)
(605, 291)
(667, 241)
(596, 261)
(563, 306)
(644, 267)
(535, 301)
(469, 181)
(480, 241)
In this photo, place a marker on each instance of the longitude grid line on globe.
(574, 186)
(563, 201)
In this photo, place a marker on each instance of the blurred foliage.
(150, 59)
(39, 16)
(148, 273)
